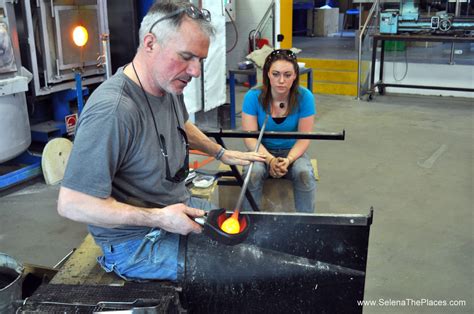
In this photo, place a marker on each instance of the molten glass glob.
(231, 225)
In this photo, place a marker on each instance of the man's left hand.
(233, 157)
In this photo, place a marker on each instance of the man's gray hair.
(165, 29)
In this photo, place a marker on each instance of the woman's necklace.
(279, 109)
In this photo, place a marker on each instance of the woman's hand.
(275, 170)
(283, 164)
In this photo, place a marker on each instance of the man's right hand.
(177, 218)
(109, 213)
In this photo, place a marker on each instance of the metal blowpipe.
(247, 177)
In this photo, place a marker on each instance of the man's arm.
(198, 140)
(110, 213)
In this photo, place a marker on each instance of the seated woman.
(290, 108)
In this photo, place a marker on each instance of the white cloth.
(214, 67)
(258, 56)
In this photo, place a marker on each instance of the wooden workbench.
(82, 267)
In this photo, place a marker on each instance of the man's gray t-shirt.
(116, 150)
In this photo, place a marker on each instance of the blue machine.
(389, 22)
(409, 19)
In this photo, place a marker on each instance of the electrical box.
(389, 22)
(229, 6)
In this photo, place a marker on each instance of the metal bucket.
(11, 273)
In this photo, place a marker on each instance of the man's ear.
(149, 42)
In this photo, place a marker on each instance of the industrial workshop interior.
(390, 152)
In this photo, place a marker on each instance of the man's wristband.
(220, 154)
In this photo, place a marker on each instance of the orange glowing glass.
(231, 225)
(80, 36)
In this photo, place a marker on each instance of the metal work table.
(219, 135)
(431, 38)
(252, 73)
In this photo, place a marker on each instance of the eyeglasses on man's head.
(190, 10)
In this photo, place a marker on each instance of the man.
(125, 176)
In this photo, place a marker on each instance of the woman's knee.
(303, 177)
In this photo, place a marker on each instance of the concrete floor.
(410, 157)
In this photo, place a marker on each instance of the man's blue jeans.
(300, 173)
(153, 257)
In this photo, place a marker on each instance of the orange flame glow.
(80, 36)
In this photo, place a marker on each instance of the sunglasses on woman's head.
(191, 11)
(281, 52)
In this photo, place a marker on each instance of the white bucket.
(14, 126)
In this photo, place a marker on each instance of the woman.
(290, 108)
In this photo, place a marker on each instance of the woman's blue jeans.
(300, 173)
(153, 257)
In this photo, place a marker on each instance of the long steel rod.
(247, 177)
(218, 135)
(64, 259)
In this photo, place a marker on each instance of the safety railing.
(265, 28)
(364, 49)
